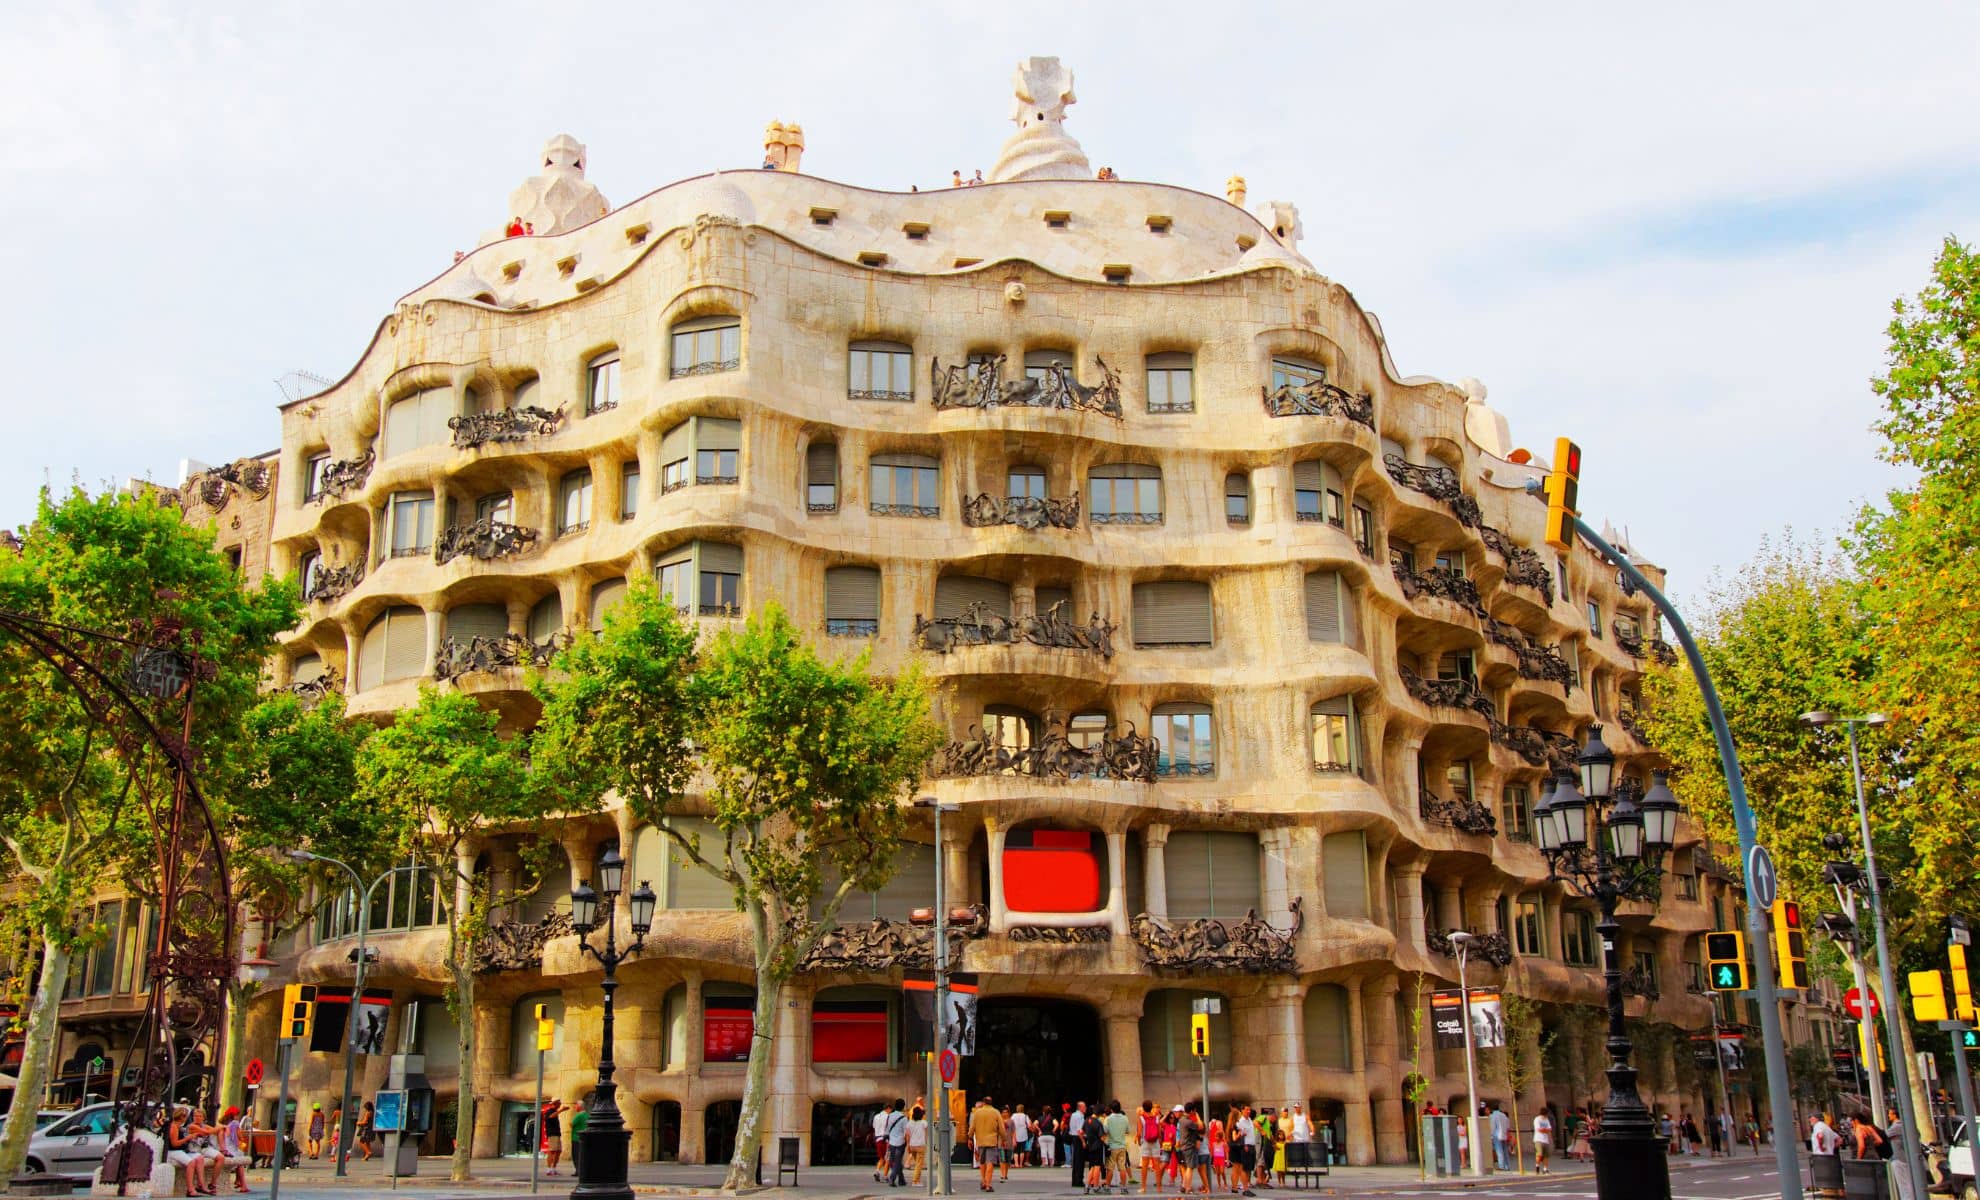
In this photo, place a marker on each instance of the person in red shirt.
(515, 228)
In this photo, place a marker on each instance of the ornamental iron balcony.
(904, 510)
(881, 944)
(1663, 652)
(713, 366)
(503, 425)
(1436, 482)
(1562, 750)
(1629, 638)
(981, 385)
(1127, 518)
(1494, 948)
(1535, 661)
(217, 485)
(1638, 982)
(701, 479)
(1707, 863)
(483, 653)
(341, 476)
(1523, 567)
(1632, 723)
(1128, 756)
(1457, 812)
(329, 583)
(309, 691)
(852, 627)
(1025, 512)
(1520, 739)
(978, 626)
(1442, 583)
(1250, 944)
(1319, 399)
(1521, 837)
(879, 394)
(1183, 768)
(1446, 693)
(486, 539)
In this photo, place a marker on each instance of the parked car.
(42, 1119)
(74, 1145)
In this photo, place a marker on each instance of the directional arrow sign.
(1762, 877)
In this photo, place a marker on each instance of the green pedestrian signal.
(1726, 979)
(1971, 1038)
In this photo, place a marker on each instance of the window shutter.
(405, 644)
(1171, 360)
(912, 886)
(1046, 597)
(1172, 613)
(1233, 874)
(477, 620)
(675, 442)
(821, 464)
(1325, 1014)
(954, 593)
(721, 557)
(546, 618)
(1186, 864)
(371, 655)
(717, 433)
(1330, 478)
(1323, 606)
(1338, 706)
(1392, 446)
(307, 669)
(434, 408)
(1237, 483)
(603, 597)
(718, 321)
(1306, 475)
(1344, 874)
(688, 885)
(1125, 471)
(402, 426)
(905, 460)
(852, 593)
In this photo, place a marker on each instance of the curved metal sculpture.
(518, 945)
(329, 583)
(1025, 512)
(978, 626)
(981, 384)
(1440, 583)
(1451, 812)
(1494, 948)
(484, 653)
(1127, 756)
(503, 425)
(1250, 944)
(881, 945)
(217, 485)
(1535, 661)
(1446, 693)
(1062, 935)
(486, 539)
(1319, 399)
(344, 475)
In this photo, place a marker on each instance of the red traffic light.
(1791, 914)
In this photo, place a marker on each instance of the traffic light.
(298, 1011)
(1790, 946)
(1962, 983)
(546, 1029)
(1928, 996)
(1199, 1034)
(1969, 1039)
(1562, 489)
(1725, 955)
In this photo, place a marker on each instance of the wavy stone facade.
(1252, 542)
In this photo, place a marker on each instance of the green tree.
(1522, 1060)
(803, 764)
(76, 784)
(441, 775)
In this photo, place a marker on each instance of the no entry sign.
(1853, 1004)
(253, 1072)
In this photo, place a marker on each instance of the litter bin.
(1866, 1179)
(1825, 1173)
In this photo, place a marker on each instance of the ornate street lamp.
(602, 1148)
(1612, 850)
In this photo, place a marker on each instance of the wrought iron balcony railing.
(978, 626)
(904, 510)
(1523, 566)
(1544, 663)
(329, 583)
(1638, 982)
(503, 425)
(1446, 693)
(1494, 948)
(851, 627)
(1127, 756)
(981, 385)
(1250, 944)
(1628, 638)
(1025, 512)
(713, 366)
(342, 476)
(309, 691)
(1442, 583)
(503, 652)
(486, 539)
(1319, 399)
(1457, 812)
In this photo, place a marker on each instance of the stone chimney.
(1234, 190)
(783, 146)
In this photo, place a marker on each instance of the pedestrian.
(1220, 1154)
(1753, 1135)
(1501, 1124)
(1822, 1136)
(897, 1123)
(1691, 1135)
(1118, 1132)
(955, 179)
(1189, 1146)
(553, 1134)
(879, 1128)
(1243, 1136)
(513, 229)
(986, 1126)
(314, 1141)
(233, 1149)
(1667, 1129)
(978, 180)
(1021, 1135)
(1075, 1131)
(1093, 1146)
(1006, 1142)
(1302, 1125)
(917, 1141)
(580, 1121)
(1148, 1143)
(1048, 1137)
(367, 1120)
(1714, 1136)
(1543, 1140)
(1578, 1147)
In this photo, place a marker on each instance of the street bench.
(1305, 1161)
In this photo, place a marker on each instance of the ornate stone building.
(1252, 664)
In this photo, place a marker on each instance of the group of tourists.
(205, 1149)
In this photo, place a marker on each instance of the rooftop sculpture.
(1041, 148)
(560, 198)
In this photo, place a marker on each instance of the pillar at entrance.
(788, 1113)
(1272, 889)
(694, 1125)
(1277, 1029)
(1450, 906)
(1122, 1018)
(1384, 1068)
(1358, 1110)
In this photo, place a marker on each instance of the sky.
(1672, 232)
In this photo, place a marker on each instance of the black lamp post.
(602, 1148)
(1611, 851)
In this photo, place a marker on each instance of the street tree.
(1522, 1060)
(442, 776)
(799, 763)
(78, 783)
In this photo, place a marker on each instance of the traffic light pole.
(1779, 1100)
(281, 1114)
(1866, 1026)
(1966, 1107)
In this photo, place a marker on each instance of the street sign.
(1212, 1005)
(1760, 874)
(1853, 1004)
(946, 1063)
(254, 1072)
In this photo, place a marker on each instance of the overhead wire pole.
(1780, 1103)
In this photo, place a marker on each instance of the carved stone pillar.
(1272, 890)
(1358, 1109)
(1117, 882)
(1122, 1016)
(955, 864)
(1155, 870)
(993, 831)
(1408, 890)
(694, 1124)
(789, 1110)
(1450, 906)
(436, 629)
(1276, 1025)
(1384, 1067)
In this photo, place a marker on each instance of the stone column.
(1116, 882)
(1155, 870)
(488, 1037)
(436, 629)
(1272, 890)
(993, 831)
(1122, 1017)
(789, 1101)
(1358, 1109)
(955, 863)
(1450, 906)
(1408, 889)
(1384, 1067)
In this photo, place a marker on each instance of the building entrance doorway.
(1034, 1051)
(719, 1131)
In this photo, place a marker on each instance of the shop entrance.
(719, 1131)
(1034, 1051)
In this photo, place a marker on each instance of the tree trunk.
(233, 1055)
(42, 1029)
(749, 1122)
(462, 1169)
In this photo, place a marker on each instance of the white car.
(74, 1145)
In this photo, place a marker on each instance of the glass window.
(1336, 735)
(1526, 927)
(1025, 483)
(311, 568)
(601, 390)
(904, 485)
(103, 958)
(715, 466)
(1687, 885)
(1329, 1037)
(1296, 373)
(412, 524)
(1456, 664)
(821, 477)
(1009, 729)
(574, 502)
(1038, 364)
(418, 420)
(1457, 776)
(721, 592)
(852, 601)
(1088, 729)
(1646, 966)
(880, 371)
(1451, 560)
(628, 490)
(1628, 626)
(677, 582)
(673, 476)
(1170, 383)
(1594, 620)
(1364, 529)
(1237, 498)
(706, 345)
(313, 469)
(496, 506)
(1515, 814)
(1185, 743)
(1126, 493)
(1578, 938)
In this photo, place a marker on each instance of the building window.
(852, 601)
(1594, 620)
(1038, 364)
(1213, 875)
(1687, 885)
(310, 569)
(313, 469)
(393, 648)
(704, 578)
(880, 371)
(1296, 373)
(1173, 612)
(1344, 874)
(546, 618)
(821, 477)
(628, 489)
(1526, 927)
(1515, 814)
(1578, 938)
(412, 524)
(676, 447)
(1402, 554)
(1329, 1034)
(1237, 498)
(1363, 530)
(1170, 383)
(1184, 739)
(717, 444)
(1126, 494)
(905, 485)
(1457, 777)
(1025, 483)
(1645, 966)
(1335, 733)
(496, 506)
(1458, 665)
(1628, 626)
(1317, 493)
(1088, 729)
(1451, 561)
(706, 345)
(418, 420)
(605, 596)
(574, 502)
(1331, 610)
(601, 383)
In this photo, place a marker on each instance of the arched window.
(553, 889)
(574, 502)
(546, 618)
(852, 601)
(411, 518)
(1185, 739)
(1025, 482)
(702, 577)
(956, 595)
(311, 570)
(1038, 363)
(1363, 528)
(418, 420)
(1344, 874)
(522, 1033)
(1296, 373)
(821, 476)
(688, 884)
(1010, 730)
(601, 383)
(1125, 494)
(728, 1021)
(1332, 612)
(1088, 729)
(1318, 494)
(468, 621)
(1170, 383)
(880, 371)
(1336, 735)
(674, 1028)
(525, 393)
(307, 669)
(705, 345)
(394, 647)
(1327, 1023)
(1165, 1019)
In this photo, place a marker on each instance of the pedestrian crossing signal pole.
(1199, 1044)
